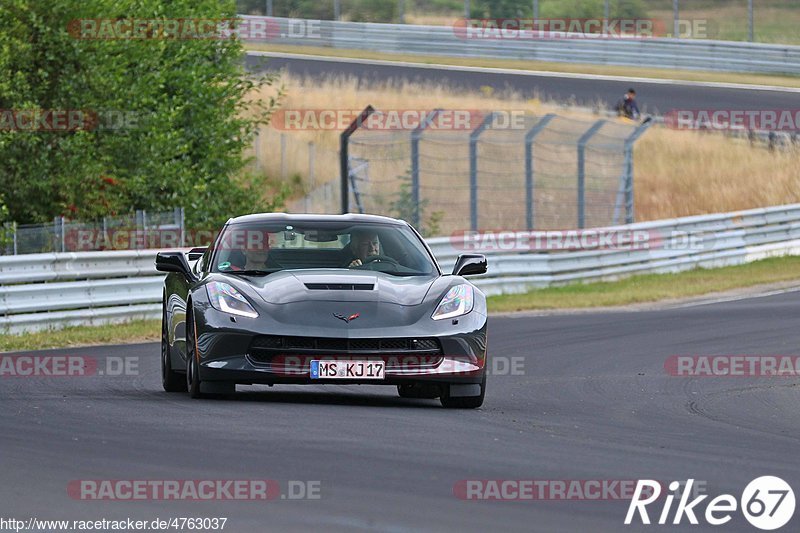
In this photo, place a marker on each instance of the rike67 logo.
(767, 503)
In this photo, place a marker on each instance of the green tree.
(174, 118)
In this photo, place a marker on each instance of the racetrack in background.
(654, 97)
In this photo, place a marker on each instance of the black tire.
(192, 368)
(193, 384)
(463, 402)
(417, 391)
(406, 391)
(171, 381)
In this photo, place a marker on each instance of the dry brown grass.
(678, 173)
(682, 173)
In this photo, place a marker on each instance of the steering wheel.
(380, 259)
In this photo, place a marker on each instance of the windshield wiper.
(250, 272)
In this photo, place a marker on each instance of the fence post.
(257, 146)
(10, 228)
(106, 239)
(54, 240)
(582, 170)
(58, 233)
(529, 136)
(676, 30)
(344, 164)
(138, 225)
(473, 170)
(283, 156)
(181, 227)
(144, 230)
(629, 142)
(416, 134)
(312, 156)
(63, 234)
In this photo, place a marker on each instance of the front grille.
(264, 347)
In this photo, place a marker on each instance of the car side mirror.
(174, 262)
(196, 253)
(470, 265)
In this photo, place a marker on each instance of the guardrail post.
(473, 170)
(416, 135)
(344, 165)
(529, 136)
(582, 170)
(628, 172)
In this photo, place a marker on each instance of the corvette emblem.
(347, 319)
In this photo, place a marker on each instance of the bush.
(184, 95)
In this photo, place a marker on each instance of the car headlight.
(458, 301)
(226, 298)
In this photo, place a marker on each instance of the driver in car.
(363, 244)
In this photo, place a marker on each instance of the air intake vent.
(340, 286)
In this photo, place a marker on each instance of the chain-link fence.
(542, 172)
(135, 231)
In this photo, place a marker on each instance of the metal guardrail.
(41, 291)
(725, 56)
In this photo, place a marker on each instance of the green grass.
(128, 332)
(638, 289)
(651, 287)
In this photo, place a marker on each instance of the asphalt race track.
(654, 98)
(593, 402)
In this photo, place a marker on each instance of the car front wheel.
(171, 381)
(462, 402)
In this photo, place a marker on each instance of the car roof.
(288, 218)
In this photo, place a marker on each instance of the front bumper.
(226, 353)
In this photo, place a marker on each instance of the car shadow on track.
(326, 398)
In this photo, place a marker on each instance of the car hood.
(290, 286)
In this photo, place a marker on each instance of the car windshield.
(262, 248)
